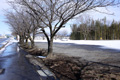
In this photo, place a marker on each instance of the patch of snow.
(40, 40)
(41, 56)
(41, 73)
(10, 41)
(64, 39)
(110, 44)
(18, 49)
(48, 72)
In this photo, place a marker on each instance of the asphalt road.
(87, 52)
(16, 66)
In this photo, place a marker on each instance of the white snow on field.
(111, 44)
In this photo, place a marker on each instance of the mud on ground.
(74, 68)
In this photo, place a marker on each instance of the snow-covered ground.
(10, 41)
(111, 44)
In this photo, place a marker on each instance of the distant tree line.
(96, 30)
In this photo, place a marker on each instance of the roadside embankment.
(7, 42)
(3, 44)
(73, 68)
(43, 71)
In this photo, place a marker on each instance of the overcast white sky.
(4, 28)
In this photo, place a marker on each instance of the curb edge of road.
(39, 66)
(43, 71)
(3, 46)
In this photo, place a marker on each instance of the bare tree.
(23, 25)
(14, 21)
(55, 13)
(84, 27)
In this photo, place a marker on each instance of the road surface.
(16, 66)
(87, 52)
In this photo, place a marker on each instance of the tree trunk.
(26, 41)
(21, 40)
(32, 40)
(32, 44)
(85, 37)
(50, 48)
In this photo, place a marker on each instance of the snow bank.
(7, 42)
(110, 44)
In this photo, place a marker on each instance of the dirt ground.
(74, 68)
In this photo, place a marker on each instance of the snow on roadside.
(10, 41)
(105, 44)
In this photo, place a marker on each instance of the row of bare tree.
(29, 17)
(23, 26)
